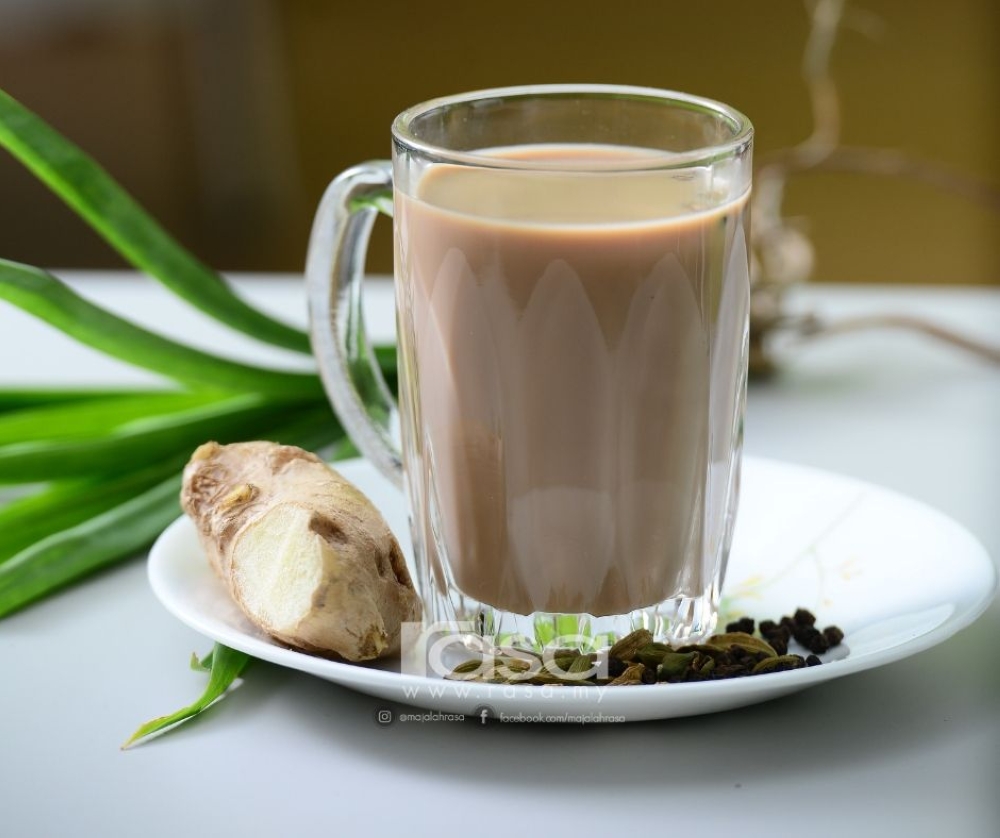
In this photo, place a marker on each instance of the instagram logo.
(383, 716)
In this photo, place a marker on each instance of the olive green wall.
(228, 118)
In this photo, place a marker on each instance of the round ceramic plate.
(896, 575)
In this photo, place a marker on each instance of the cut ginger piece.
(303, 552)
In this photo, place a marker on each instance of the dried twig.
(888, 162)
(810, 326)
(783, 256)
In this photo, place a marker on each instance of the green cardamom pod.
(674, 665)
(747, 642)
(466, 671)
(651, 654)
(565, 652)
(542, 679)
(515, 664)
(703, 649)
(632, 675)
(548, 679)
(627, 648)
(559, 664)
(779, 663)
(512, 670)
(707, 665)
(583, 663)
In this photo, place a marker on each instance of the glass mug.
(572, 292)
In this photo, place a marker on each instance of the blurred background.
(227, 118)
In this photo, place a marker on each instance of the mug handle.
(334, 274)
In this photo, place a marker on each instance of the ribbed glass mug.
(572, 291)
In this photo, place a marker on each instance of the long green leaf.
(109, 537)
(23, 398)
(388, 362)
(65, 504)
(312, 429)
(123, 530)
(126, 226)
(140, 442)
(96, 417)
(225, 665)
(42, 295)
(26, 398)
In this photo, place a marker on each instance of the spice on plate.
(636, 659)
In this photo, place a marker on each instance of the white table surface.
(910, 749)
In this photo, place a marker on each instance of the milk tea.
(575, 344)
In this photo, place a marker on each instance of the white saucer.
(897, 576)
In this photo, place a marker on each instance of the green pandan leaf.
(140, 442)
(201, 664)
(95, 196)
(94, 417)
(64, 504)
(225, 665)
(42, 295)
(109, 537)
(27, 398)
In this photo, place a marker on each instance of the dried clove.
(744, 625)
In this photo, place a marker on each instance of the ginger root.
(304, 553)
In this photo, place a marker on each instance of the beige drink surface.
(573, 342)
